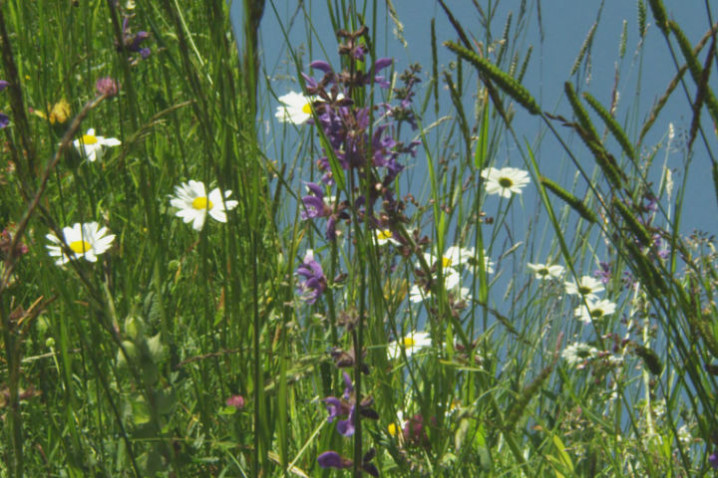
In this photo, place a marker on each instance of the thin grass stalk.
(25, 168)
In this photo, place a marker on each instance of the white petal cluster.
(594, 309)
(91, 146)
(546, 271)
(193, 204)
(295, 108)
(505, 181)
(87, 241)
(410, 344)
(586, 286)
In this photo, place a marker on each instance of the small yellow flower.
(58, 114)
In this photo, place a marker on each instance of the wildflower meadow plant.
(586, 287)
(546, 271)
(193, 203)
(366, 305)
(505, 181)
(91, 146)
(314, 283)
(295, 108)
(408, 345)
(85, 240)
(594, 309)
(4, 120)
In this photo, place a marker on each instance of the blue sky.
(565, 26)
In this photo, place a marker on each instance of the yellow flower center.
(202, 203)
(583, 290)
(409, 341)
(89, 139)
(80, 247)
(307, 108)
(505, 182)
(543, 272)
(445, 262)
(393, 429)
(596, 313)
(384, 234)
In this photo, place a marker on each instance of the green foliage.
(184, 351)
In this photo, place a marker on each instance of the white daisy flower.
(193, 204)
(578, 353)
(385, 236)
(505, 181)
(587, 286)
(90, 145)
(295, 108)
(594, 309)
(545, 271)
(451, 281)
(455, 256)
(411, 343)
(462, 294)
(87, 240)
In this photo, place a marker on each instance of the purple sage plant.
(4, 120)
(315, 282)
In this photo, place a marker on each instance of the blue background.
(565, 24)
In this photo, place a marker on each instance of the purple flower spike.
(314, 205)
(348, 387)
(4, 120)
(332, 459)
(315, 282)
(713, 460)
(133, 42)
(358, 53)
(603, 272)
(335, 407)
(346, 427)
(382, 82)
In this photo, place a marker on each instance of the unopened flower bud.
(107, 86)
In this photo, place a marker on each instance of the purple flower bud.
(335, 407)
(382, 63)
(107, 86)
(370, 469)
(311, 82)
(713, 460)
(381, 81)
(236, 401)
(321, 65)
(3, 84)
(346, 427)
(4, 121)
(315, 282)
(358, 53)
(348, 386)
(332, 459)
(603, 272)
